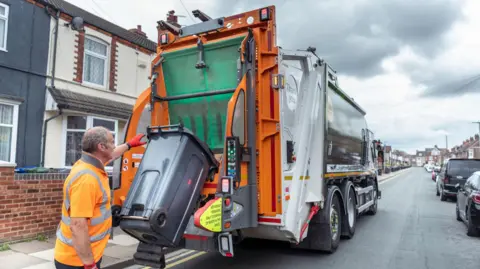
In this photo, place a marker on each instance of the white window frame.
(5, 18)
(96, 55)
(14, 126)
(90, 119)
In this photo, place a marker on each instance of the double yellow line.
(173, 259)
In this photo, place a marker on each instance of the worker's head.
(99, 142)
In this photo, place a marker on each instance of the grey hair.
(93, 137)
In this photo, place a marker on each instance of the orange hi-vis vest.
(86, 194)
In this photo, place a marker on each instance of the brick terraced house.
(95, 72)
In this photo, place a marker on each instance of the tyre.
(335, 223)
(325, 228)
(471, 229)
(442, 196)
(438, 193)
(373, 208)
(457, 212)
(351, 211)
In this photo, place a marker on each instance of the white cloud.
(395, 109)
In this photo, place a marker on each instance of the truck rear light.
(446, 179)
(227, 185)
(264, 14)
(225, 244)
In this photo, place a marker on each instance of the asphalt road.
(413, 229)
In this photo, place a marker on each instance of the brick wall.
(29, 204)
(113, 64)
(78, 64)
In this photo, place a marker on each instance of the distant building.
(469, 148)
(420, 158)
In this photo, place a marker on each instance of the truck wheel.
(335, 223)
(325, 227)
(373, 208)
(351, 211)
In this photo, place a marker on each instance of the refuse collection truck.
(245, 140)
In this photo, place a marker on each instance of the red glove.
(135, 141)
(90, 266)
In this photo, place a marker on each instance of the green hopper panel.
(205, 116)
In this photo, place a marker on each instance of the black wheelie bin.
(167, 186)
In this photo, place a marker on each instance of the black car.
(455, 171)
(468, 204)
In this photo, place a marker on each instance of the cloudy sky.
(413, 65)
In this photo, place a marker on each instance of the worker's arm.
(134, 142)
(81, 240)
(83, 197)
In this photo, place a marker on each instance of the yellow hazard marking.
(301, 177)
(185, 259)
(211, 219)
(188, 254)
(333, 175)
(348, 174)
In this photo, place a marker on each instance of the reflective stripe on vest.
(105, 213)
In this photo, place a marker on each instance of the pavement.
(37, 254)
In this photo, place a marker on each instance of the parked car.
(453, 172)
(429, 168)
(468, 204)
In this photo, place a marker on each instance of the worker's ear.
(101, 146)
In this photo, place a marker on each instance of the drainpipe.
(54, 64)
(44, 135)
(54, 61)
(52, 83)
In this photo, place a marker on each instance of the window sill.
(4, 50)
(95, 86)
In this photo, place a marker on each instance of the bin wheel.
(116, 209)
(158, 220)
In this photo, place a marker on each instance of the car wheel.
(471, 229)
(457, 212)
(438, 193)
(442, 196)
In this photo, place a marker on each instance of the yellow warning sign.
(211, 218)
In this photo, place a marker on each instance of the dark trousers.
(64, 266)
